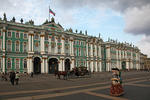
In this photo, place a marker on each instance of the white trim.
(10, 62)
(52, 57)
(10, 45)
(16, 63)
(16, 35)
(24, 34)
(26, 47)
(23, 63)
(16, 46)
(10, 33)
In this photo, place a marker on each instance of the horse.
(62, 73)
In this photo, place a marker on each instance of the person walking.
(12, 77)
(17, 78)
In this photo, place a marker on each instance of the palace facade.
(25, 47)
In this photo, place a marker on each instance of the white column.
(50, 44)
(72, 64)
(96, 69)
(29, 43)
(87, 49)
(28, 65)
(100, 54)
(63, 64)
(60, 65)
(3, 64)
(72, 48)
(131, 60)
(117, 58)
(91, 51)
(42, 46)
(31, 65)
(127, 65)
(91, 66)
(56, 47)
(96, 50)
(46, 65)
(108, 58)
(100, 66)
(42, 65)
(32, 44)
(87, 64)
(63, 45)
(4, 41)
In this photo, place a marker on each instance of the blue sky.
(124, 20)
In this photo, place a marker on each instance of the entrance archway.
(37, 65)
(52, 65)
(67, 64)
(123, 65)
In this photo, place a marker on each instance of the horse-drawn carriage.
(75, 72)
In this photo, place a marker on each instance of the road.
(47, 87)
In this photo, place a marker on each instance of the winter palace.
(26, 48)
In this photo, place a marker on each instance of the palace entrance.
(67, 64)
(37, 65)
(123, 65)
(52, 65)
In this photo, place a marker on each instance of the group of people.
(116, 84)
(14, 77)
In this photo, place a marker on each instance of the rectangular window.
(9, 34)
(25, 35)
(36, 36)
(17, 35)
(17, 46)
(46, 47)
(25, 46)
(46, 37)
(25, 63)
(8, 63)
(9, 45)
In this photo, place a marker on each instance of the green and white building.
(25, 47)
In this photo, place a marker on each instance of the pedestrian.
(32, 74)
(12, 77)
(17, 78)
(116, 85)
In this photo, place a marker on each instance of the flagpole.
(49, 13)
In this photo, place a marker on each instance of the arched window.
(8, 63)
(25, 63)
(9, 45)
(17, 35)
(17, 45)
(25, 46)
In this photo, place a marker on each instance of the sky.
(121, 20)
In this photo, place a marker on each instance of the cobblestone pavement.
(96, 87)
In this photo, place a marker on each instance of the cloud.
(135, 12)
(144, 45)
(138, 20)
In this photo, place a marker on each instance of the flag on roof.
(51, 12)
